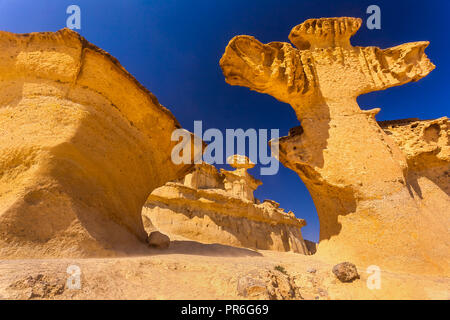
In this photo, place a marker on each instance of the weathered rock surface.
(426, 145)
(238, 182)
(250, 286)
(382, 199)
(38, 286)
(220, 208)
(158, 240)
(268, 285)
(346, 272)
(82, 146)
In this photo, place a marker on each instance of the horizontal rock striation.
(209, 213)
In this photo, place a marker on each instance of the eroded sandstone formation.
(382, 199)
(215, 207)
(82, 146)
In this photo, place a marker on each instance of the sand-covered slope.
(194, 270)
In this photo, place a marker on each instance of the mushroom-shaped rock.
(239, 182)
(238, 161)
(375, 206)
(82, 145)
(268, 284)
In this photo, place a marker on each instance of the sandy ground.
(193, 270)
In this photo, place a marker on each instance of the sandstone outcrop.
(215, 207)
(382, 199)
(426, 145)
(82, 146)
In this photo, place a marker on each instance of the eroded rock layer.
(82, 145)
(376, 206)
(202, 208)
(426, 145)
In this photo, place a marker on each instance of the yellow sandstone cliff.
(382, 198)
(82, 146)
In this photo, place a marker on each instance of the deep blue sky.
(173, 48)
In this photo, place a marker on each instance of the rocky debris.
(366, 184)
(268, 284)
(313, 286)
(214, 207)
(346, 272)
(426, 145)
(39, 286)
(249, 286)
(239, 183)
(322, 292)
(158, 240)
(82, 145)
(311, 270)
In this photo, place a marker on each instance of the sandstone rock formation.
(238, 182)
(382, 199)
(220, 208)
(82, 146)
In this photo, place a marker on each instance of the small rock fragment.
(158, 240)
(248, 286)
(311, 270)
(346, 272)
(322, 292)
